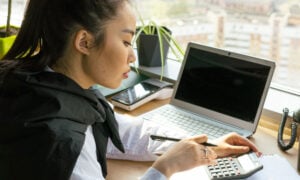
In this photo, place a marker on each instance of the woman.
(53, 125)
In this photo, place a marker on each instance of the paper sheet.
(275, 168)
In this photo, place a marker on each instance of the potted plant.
(7, 32)
(153, 43)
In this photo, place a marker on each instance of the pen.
(163, 138)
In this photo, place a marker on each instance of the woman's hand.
(186, 154)
(233, 144)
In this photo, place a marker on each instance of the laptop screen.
(223, 83)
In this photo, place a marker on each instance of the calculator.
(234, 167)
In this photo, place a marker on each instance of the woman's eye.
(127, 43)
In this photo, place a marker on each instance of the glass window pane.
(17, 12)
(266, 28)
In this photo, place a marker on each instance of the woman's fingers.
(186, 154)
(199, 139)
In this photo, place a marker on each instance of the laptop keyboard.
(188, 124)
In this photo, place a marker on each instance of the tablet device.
(137, 95)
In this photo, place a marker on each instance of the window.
(265, 28)
(18, 7)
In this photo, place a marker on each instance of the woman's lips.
(126, 75)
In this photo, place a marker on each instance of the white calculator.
(234, 167)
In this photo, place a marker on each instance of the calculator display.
(135, 93)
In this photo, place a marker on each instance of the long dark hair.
(48, 25)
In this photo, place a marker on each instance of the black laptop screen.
(223, 84)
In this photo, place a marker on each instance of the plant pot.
(7, 42)
(149, 50)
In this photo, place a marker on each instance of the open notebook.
(217, 92)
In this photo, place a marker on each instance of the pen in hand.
(163, 138)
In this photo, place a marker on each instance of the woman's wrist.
(153, 173)
(163, 167)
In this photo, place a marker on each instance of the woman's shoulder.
(6, 65)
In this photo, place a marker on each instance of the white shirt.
(87, 166)
(138, 146)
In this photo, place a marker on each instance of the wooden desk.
(264, 138)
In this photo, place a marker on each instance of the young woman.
(53, 125)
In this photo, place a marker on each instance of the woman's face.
(109, 64)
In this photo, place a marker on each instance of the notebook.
(216, 89)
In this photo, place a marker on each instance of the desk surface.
(264, 138)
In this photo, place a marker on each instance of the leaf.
(152, 28)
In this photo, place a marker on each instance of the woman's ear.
(83, 41)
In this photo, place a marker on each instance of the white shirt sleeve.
(135, 135)
(151, 174)
(138, 146)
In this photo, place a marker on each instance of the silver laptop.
(217, 92)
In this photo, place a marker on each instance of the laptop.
(217, 92)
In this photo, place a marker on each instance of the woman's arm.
(135, 135)
(189, 153)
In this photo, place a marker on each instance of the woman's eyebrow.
(128, 31)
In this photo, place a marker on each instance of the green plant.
(8, 30)
(8, 18)
(152, 28)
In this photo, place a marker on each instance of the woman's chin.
(115, 86)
